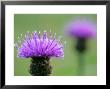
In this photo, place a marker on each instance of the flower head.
(82, 29)
(39, 45)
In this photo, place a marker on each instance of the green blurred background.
(66, 66)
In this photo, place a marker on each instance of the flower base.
(81, 45)
(40, 66)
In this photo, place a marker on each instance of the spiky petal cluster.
(82, 29)
(39, 45)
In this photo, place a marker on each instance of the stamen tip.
(44, 30)
(39, 32)
(55, 34)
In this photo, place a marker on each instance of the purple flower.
(37, 45)
(82, 29)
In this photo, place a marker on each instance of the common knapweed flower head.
(39, 45)
(81, 29)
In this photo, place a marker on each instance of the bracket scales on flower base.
(40, 66)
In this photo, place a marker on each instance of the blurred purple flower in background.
(82, 29)
(39, 47)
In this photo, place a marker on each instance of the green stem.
(81, 48)
(81, 64)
